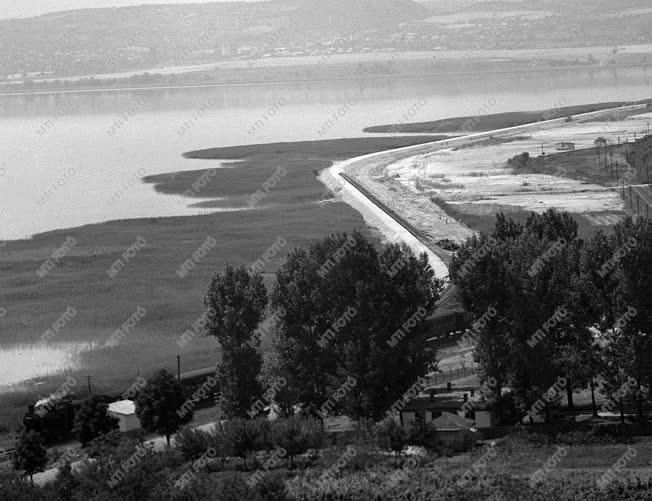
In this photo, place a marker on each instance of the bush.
(220, 441)
(519, 161)
(92, 420)
(272, 488)
(597, 435)
(16, 487)
(391, 437)
(423, 434)
(622, 433)
(506, 408)
(364, 459)
(448, 244)
(30, 456)
(104, 444)
(296, 435)
(64, 485)
(221, 487)
(192, 443)
(246, 436)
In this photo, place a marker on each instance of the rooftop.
(126, 407)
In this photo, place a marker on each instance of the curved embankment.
(341, 179)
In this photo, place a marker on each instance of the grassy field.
(485, 222)
(483, 123)
(150, 280)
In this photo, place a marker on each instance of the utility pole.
(179, 368)
(616, 172)
(88, 380)
(631, 200)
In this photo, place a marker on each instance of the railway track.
(420, 235)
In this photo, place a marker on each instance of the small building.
(428, 408)
(125, 411)
(565, 146)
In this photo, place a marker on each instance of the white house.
(125, 411)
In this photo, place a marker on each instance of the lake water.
(67, 160)
(29, 362)
(77, 158)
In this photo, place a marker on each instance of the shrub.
(219, 440)
(519, 161)
(364, 459)
(448, 244)
(192, 443)
(391, 437)
(221, 487)
(161, 405)
(64, 485)
(622, 432)
(104, 444)
(296, 435)
(16, 487)
(30, 455)
(272, 488)
(506, 408)
(93, 420)
(246, 436)
(130, 473)
(422, 434)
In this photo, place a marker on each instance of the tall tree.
(160, 405)
(353, 313)
(631, 303)
(237, 300)
(30, 455)
(93, 420)
(523, 273)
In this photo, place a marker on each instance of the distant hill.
(181, 24)
(108, 39)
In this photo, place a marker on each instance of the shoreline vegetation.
(299, 209)
(494, 121)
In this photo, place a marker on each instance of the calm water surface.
(73, 159)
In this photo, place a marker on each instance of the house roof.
(450, 421)
(438, 403)
(125, 407)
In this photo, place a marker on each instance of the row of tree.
(335, 305)
(567, 309)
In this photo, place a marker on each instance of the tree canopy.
(236, 300)
(159, 404)
(353, 313)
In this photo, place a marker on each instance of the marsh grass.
(150, 280)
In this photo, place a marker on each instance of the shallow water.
(73, 159)
(25, 362)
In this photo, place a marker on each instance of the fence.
(452, 373)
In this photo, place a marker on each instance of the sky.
(28, 8)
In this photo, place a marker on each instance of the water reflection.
(29, 362)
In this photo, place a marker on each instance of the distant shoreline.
(252, 83)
